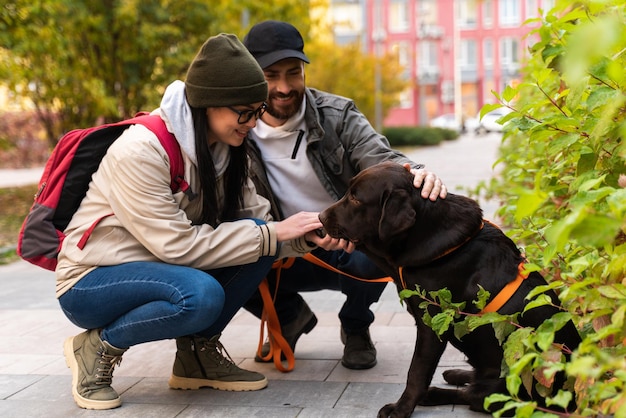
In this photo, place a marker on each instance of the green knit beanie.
(224, 73)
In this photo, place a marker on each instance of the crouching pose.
(161, 264)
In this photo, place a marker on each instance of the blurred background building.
(455, 52)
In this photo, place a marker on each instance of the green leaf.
(562, 399)
(529, 201)
(513, 382)
(509, 93)
(441, 322)
(541, 300)
(615, 291)
(503, 330)
(586, 162)
(596, 230)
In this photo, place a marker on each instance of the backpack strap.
(172, 148)
(177, 168)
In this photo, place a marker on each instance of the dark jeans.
(139, 302)
(304, 276)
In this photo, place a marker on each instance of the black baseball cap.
(271, 41)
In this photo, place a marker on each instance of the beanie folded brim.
(203, 96)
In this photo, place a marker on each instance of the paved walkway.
(34, 381)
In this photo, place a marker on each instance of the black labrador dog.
(441, 244)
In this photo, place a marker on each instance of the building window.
(402, 51)
(347, 18)
(406, 99)
(468, 13)
(427, 59)
(426, 12)
(532, 8)
(509, 13)
(547, 5)
(509, 54)
(469, 54)
(399, 16)
(488, 53)
(487, 13)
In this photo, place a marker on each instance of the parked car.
(447, 121)
(488, 123)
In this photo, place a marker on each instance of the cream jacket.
(149, 222)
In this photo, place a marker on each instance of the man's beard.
(285, 113)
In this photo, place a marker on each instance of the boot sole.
(188, 383)
(307, 328)
(70, 361)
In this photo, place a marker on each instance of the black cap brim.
(275, 56)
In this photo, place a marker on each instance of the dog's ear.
(397, 215)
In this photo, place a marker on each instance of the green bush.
(401, 136)
(447, 134)
(563, 186)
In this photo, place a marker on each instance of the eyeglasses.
(246, 115)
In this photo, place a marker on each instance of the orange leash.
(312, 259)
(269, 319)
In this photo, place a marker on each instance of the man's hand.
(329, 243)
(432, 186)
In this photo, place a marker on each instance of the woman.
(164, 265)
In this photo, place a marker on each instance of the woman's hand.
(432, 186)
(309, 225)
(297, 225)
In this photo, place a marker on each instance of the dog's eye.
(353, 199)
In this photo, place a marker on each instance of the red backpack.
(66, 178)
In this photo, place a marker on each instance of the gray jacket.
(341, 143)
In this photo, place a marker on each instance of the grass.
(15, 203)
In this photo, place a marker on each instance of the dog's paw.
(458, 377)
(394, 410)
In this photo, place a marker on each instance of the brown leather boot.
(203, 362)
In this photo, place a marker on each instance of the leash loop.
(269, 318)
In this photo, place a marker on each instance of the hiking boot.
(359, 352)
(202, 362)
(92, 362)
(303, 324)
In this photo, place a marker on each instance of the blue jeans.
(138, 302)
(355, 314)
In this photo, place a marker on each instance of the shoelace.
(104, 375)
(219, 352)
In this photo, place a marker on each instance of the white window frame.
(399, 16)
(532, 8)
(488, 53)
(509, 52)
(487, 20)
(347, 18)
(468, 13)
(426, 12)
(468, 58)
(509, 13)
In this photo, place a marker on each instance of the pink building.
(452, 67)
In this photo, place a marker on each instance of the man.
(305, 149)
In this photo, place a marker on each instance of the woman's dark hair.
(234, 177)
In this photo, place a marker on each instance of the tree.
(82, 62)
